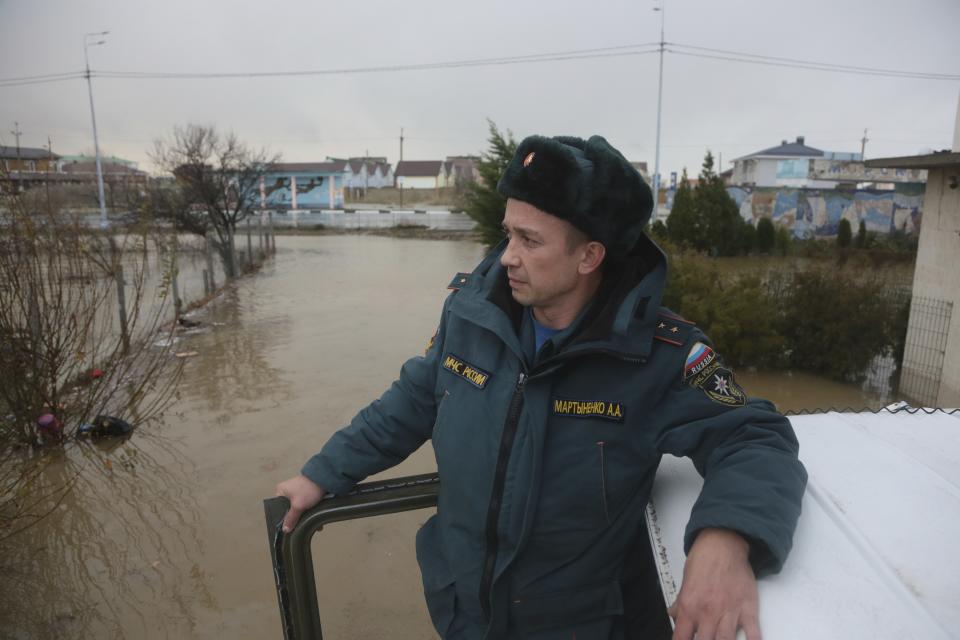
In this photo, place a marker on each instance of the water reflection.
(113, 545)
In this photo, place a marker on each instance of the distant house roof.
(640, 166)
(795, 149)
(300, 167)
(419, 168)
(26, 153)
(108, 168)
(937, 160)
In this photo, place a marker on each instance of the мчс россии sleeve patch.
(703, 370)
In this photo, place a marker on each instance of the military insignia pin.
(529, 158)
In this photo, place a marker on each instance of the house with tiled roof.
(420, 174)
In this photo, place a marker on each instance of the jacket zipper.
(603, 481)
(499, 479)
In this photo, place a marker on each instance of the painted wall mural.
(817, 212)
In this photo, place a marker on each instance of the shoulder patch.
(672, 329)
(459, 281)
(704, 370)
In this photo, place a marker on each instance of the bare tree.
(216, 185)
(79, 328)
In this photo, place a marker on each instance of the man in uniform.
(553, 386)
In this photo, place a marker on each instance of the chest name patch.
(589, 409)
(474, 375)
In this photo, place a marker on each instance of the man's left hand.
(719, 591)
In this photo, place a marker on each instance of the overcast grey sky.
(730, 108)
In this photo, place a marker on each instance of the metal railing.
(291, 554)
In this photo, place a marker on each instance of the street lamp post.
(104, 223)
(656, 165)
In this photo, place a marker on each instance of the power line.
(770, 61)
(577, 54)
(363, 70)
(557, 56)
(824, 65)
(19, 82)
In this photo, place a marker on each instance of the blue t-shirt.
(541, 333)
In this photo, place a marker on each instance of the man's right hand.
(303, 494)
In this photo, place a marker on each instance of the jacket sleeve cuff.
(763, 559)
(319, 470)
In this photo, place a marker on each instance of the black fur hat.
(588, 183)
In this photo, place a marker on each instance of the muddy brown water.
(163, 535)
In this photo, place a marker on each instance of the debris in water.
(186, 354)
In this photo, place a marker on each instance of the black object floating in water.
(105, 426)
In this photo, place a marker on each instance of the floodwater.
(163, 535)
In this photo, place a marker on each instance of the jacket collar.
(622, 317)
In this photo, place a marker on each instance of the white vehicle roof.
(877, 549)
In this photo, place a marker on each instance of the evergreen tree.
(682, 223)
(483, 203)
(784, 241)
(718, 213)
(747, 237)
(766, 235)
(844, 234)
(862, 235)
(658, 231)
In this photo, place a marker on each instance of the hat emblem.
(529, 158)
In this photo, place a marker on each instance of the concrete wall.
(437, 220)
(817, 212)
(937, 276)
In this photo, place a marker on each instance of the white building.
(791, 164)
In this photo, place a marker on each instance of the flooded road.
(163, 535)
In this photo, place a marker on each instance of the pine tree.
(844, 234)
(682, 223)
(718, 213)
(862, 235)
(483, 203)
(766, 235)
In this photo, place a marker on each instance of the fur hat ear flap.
(587, 183)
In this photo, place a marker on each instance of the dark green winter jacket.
(546, 467)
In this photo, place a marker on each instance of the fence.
(923, 353)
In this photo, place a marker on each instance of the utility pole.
(398, 164)
(16, 134)
(104, 223)
(49, 162)
(863, 144)
(656, 165)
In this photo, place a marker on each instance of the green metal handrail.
(291, 554)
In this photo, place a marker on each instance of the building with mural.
(302, 185)
(817, 212)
